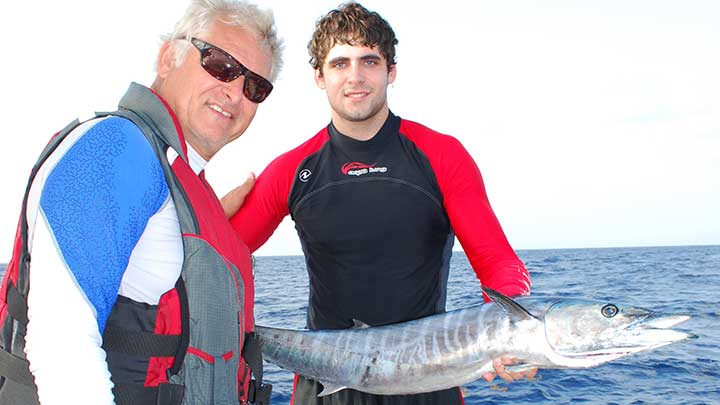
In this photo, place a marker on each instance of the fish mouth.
(649, 333)
(664, 322)
(615, 352)
(654, 331)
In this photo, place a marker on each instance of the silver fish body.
(457, 347)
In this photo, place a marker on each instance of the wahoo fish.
(457, 347)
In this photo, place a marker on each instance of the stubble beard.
(362, 114)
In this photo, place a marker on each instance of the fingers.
(509, 376)
(499, 365)
(233, 200)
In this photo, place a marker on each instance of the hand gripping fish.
(457, 347)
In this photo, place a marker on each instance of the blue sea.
(683, 280)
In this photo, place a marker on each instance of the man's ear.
(392, 72)
(319, 78)
(166, 59)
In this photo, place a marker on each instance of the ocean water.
(682, 280)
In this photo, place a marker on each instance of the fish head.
(586, 333)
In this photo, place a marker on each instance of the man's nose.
(233, 90)
(355, 73)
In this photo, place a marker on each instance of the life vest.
(193, 347)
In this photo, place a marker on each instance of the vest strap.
(252, 353)
(137, 394)
(16, 369)
(258, 393)
(16, 304)
(140, 343)
(14, 393)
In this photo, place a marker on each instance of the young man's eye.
(338, 65)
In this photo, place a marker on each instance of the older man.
(140, 291)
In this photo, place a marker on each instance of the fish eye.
(609, 310)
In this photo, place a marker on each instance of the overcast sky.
(594, 123)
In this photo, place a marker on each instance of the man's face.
(212, 113)
(355, 79)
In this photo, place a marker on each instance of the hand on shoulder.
(233, 200)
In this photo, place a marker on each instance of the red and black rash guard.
(377, 220)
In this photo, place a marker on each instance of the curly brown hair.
(351, 24)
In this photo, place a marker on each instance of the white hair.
(201, 14)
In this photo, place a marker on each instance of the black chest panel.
(373, 229)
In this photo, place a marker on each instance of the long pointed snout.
(665, 322)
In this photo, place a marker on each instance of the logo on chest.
(359, 169)
(304, 175)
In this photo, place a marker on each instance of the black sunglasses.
(222, 66)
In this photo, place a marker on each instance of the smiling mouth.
(217, 108)
(357, 94)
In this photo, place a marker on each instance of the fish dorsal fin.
(516, 311)
(329, 389)
(359, 324)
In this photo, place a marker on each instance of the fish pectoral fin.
(520, 367)
(512, 368)
(330, 389)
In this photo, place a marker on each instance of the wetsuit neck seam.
(390, 128)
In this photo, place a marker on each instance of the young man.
(377, 201)
(140, 292)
